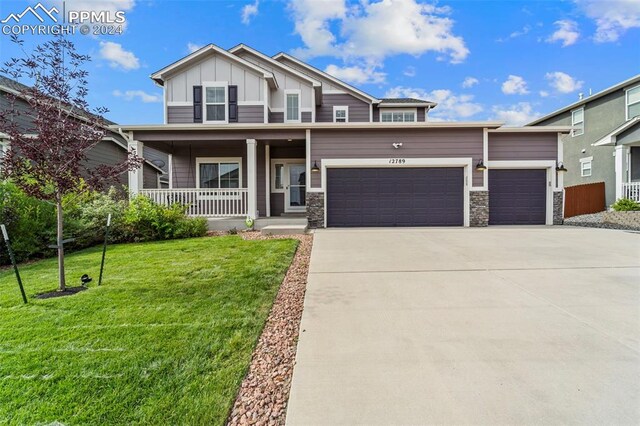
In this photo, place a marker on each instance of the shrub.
(625, 205)
(31, 224)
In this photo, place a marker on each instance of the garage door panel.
(395, 197)
(517, 197)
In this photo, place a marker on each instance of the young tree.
(47, 155)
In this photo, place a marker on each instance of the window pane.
(633, 95)
(340, 113)
(292, 107)
(229, 175)
(578, 116)
(278, 176)
(209, 175)
(409, 116)
(397, 116)
(634, 110)
(386, 117)
(215, 95)
(215, 113)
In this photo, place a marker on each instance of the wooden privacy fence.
(584, 199)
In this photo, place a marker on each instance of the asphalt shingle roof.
(404, 101)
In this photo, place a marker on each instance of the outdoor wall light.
(315, 168)
(560, 167)
(397, 145)
(480, 166)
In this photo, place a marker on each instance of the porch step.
(284, 229)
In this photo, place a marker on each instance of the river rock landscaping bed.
(263, 395)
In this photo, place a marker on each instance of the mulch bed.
(263, 395)
(69, 291)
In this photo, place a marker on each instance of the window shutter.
(233, 104)
(197, 104)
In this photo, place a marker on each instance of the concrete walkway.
(502, 325)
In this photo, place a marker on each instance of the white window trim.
(340, 108)
(205, 85)
(392, 110)
(626, 101)
(293, 92)
(206, 160)
(584, 161)
(573, 123)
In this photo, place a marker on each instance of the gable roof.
(160, 75)
(610, 138)
(633, 80)
(406, 102)
(329, 77)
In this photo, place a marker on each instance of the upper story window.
(586, 166)
(398, 116)
(633, 102)
(215, 102)
(577, 120)
(292, 106)
(340, 114)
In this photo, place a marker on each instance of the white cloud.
(356, 74)
(192, 47)
(130, 95)
(469, 82)
(371, 31)
(515, 115)
(613, 18)
(515, 85)
(410, 71)
(249, 11)
(544, 93)
(451, 106)
(524, 31)
(563, 82)
(567, 32)
(118, 57)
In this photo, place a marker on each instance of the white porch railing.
(631, 190)
(204, 202)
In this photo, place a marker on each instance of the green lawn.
(166, 339)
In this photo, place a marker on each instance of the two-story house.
(270, 136)
(112, 149)
(605, 143)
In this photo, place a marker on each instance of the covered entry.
(421, 196)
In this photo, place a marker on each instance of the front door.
(295, 187)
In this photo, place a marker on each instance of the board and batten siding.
(326, 83)
(358, 110)
(179, 86)
(523, 146)
(377, 143)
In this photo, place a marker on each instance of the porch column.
(619, 170)
(252, 179)
(136, 176)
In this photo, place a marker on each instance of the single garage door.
(517, 197)
(395, 197)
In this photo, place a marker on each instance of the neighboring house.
(251, 135)
(112, 149)
(605, 144)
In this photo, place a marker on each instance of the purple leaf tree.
(47, 155)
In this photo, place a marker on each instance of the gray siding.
(420, 114)
(523, 146)
(276, 117)
(631, 135)
(305, 116)
(25, 120)
(601, 116)
(358, 110)
(250, 114)
(155, 136)
(417, 143)
(180, 114)
(277, 204)
(107, 152)
(149, 177)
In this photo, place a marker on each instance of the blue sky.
(504, 60)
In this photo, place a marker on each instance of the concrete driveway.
(502, 325)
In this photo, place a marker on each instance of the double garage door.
(430, 196)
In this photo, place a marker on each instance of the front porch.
(219, 175)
